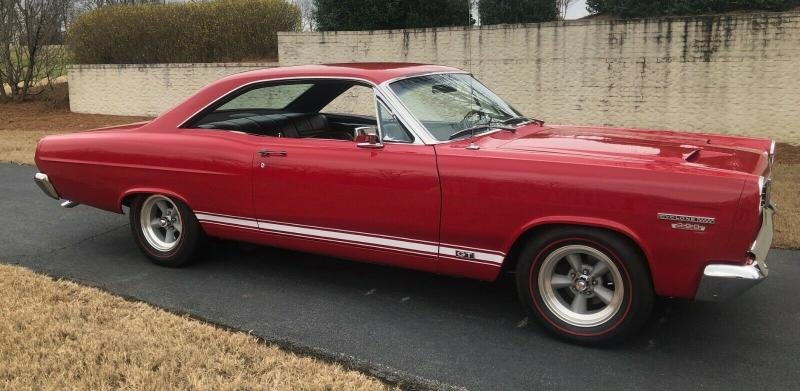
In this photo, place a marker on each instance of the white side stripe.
(451, 252)
(426, 248)
(226, 220)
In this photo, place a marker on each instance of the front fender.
(578, 220)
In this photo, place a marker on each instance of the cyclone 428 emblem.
(686, 222)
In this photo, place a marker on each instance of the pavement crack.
(522, 323)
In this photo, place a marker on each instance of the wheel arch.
(529, 230)
(125, 198)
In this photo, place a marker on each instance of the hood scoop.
(692, 156)
(700, 155)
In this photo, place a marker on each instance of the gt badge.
(465, 254)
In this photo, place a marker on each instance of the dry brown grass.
(786, 196)
(23, 124)
(61, 335)
(785, 192)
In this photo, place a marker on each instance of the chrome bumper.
(723, 281)
(44, 183)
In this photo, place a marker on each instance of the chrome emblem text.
(686, 219)
(689, 226)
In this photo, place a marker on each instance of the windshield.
(449, 103)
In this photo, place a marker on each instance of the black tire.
(633, 303)
(190, 237)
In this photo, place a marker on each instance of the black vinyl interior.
(294, 125)
(301, 118)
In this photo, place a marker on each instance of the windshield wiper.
(472, 129)
(521, 120)
(515, 120)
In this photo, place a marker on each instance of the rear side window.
(275, 97)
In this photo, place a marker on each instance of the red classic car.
(423, 167)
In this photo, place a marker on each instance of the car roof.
(375, 72)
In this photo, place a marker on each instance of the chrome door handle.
(266, 153)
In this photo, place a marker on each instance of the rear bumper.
(721, 282)
(44, 183)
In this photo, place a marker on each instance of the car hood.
(713, 151)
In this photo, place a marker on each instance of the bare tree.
(77, 7)
(30, 50)
(563, 6)
(92, 4)
(307, 11)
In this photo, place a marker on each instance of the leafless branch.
(563, 6)
(30, 39)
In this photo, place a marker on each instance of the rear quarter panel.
(206, 169)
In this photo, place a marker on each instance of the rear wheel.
(165, 229)
(585, 285)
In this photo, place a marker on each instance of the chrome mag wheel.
(161, 223)
(581, 285)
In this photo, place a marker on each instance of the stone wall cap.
(559, 23)
(177, 65)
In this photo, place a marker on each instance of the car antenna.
(472, 146)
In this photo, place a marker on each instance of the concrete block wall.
(736, 74)
(142, 89)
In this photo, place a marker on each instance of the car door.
(377, 203)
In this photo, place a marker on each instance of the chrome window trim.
(418, 131)
(429, 139)
(411, 76)
(761, 196)
(771, 156)
(419, 128)
(403, 112)
(378, 102)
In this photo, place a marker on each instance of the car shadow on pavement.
(458, 331)
(671, 322)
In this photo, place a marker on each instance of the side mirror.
(367, 137)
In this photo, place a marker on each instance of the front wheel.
(165, 229)
(586, 285)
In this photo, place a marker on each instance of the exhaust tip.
(69, 204)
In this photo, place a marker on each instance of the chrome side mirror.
(367, 137)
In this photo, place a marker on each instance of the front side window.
(392, 129)
(448, 104)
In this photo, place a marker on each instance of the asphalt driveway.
(408, 325)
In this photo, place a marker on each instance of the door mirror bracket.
(367, 137)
